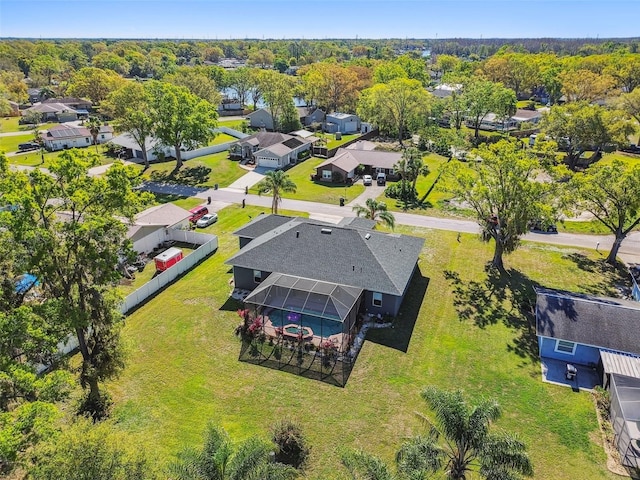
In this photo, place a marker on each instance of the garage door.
(351, 126)
(267, 162)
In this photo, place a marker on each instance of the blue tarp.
(25, 282)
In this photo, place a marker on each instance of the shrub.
(291, 445)
(337, 177)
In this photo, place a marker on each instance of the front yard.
(459, 328)
(201, 171)
(312, 191)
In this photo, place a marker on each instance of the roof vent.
(367, 236)
(326, 231)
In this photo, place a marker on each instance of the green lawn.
(201, 171)
(10, 124)
(10, 144)
(333, 143)
(34, 158)
(235, 124)
(222, 138)
(317, 191)
(183, 369)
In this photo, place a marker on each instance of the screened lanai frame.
(305, 326)
(625, 416)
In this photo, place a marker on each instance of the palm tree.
(94, 124)
(375, 210)
(276, 182)
(468, 444)
(220, 460)
(364, 466)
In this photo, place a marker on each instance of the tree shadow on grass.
(614, 280)
(508, 297)
(399, 336)
(192, 176)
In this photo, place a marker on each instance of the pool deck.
(340, 340)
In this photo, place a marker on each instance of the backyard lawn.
(34, 157)
(201, 171)
(222, 138)
(458, 329)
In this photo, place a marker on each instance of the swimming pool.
(322, 327)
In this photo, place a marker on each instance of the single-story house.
(346, 161)
(603, 334)
(310, 115)
(82, 106)
(133, 151)
(150, 227)
(230, 104)
(57, 112)
(65, 136)
(493, 122)
(529, 116)
(375, 267)
(341, 123)
(261, 118)
(446, 90)
(271, 149)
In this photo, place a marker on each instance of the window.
(87, 140)
(257, 276)
(377, 299)
(102, 136)
(327, 174)
(563, 346)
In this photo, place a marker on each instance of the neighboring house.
(83, 107)
(57, 112)
(344, 163)
(493, 122)
(61, 137)
(342, 123)
(446, 90)
(528, 116)
(261, 118)
(150, 227)
(377, 267)
(230, 105)
(270, 149)
(34, 95)
(601, 333)
(133, 150)
(15, 109)
(311, 115)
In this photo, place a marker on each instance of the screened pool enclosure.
(303, 326)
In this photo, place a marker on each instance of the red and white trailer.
(167, 259)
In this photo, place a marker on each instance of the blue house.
(599, 336)
(575, 328)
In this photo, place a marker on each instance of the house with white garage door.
(342, 123)
(270, 149)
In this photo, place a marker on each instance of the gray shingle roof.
(374, 261)
(261, 225)
(610, 323)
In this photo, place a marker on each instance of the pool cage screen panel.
(308, 326)
(625, 415)
(305, 296)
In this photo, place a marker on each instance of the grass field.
(34, 158)
(458, 328)
(10, 124)
(222, 138)
(202, 171)
(10, 144)
(317, 192)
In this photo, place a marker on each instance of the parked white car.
(367, 180)
(206, 220)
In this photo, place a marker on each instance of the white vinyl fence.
(207, 245)
(200, 152)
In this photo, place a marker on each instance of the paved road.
(629, 252)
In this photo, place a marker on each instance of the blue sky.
(223, 19)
